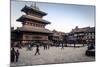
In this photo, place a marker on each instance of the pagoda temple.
(33, 25)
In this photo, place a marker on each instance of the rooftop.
(33, 9)
(33, 18)
(85, 29)
(33, 29)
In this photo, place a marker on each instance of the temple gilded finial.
(34, 6)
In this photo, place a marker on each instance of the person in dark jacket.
(12, 55)
(17, 55)
(37, 50)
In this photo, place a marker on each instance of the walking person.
(44, 46)
(62, 45)
(29, 47)
(17, 55)
(37, 50)
(12, 55)
(48, 45)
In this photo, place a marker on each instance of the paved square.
(53, 55)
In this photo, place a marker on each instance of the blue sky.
(63, 17)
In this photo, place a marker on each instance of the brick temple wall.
(34, 37)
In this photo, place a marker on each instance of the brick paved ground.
(53, 55)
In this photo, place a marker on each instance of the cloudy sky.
(63, 17)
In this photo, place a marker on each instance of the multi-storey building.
(81, 35)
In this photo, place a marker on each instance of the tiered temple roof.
(31, 16)
(23, 18)
(33, 29)
(33, 9)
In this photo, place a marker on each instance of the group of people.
(46, 46)
(14, 55)
(29, 47)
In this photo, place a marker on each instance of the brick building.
(56, 37)
(81, 35)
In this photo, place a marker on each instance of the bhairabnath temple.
(33, 26)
